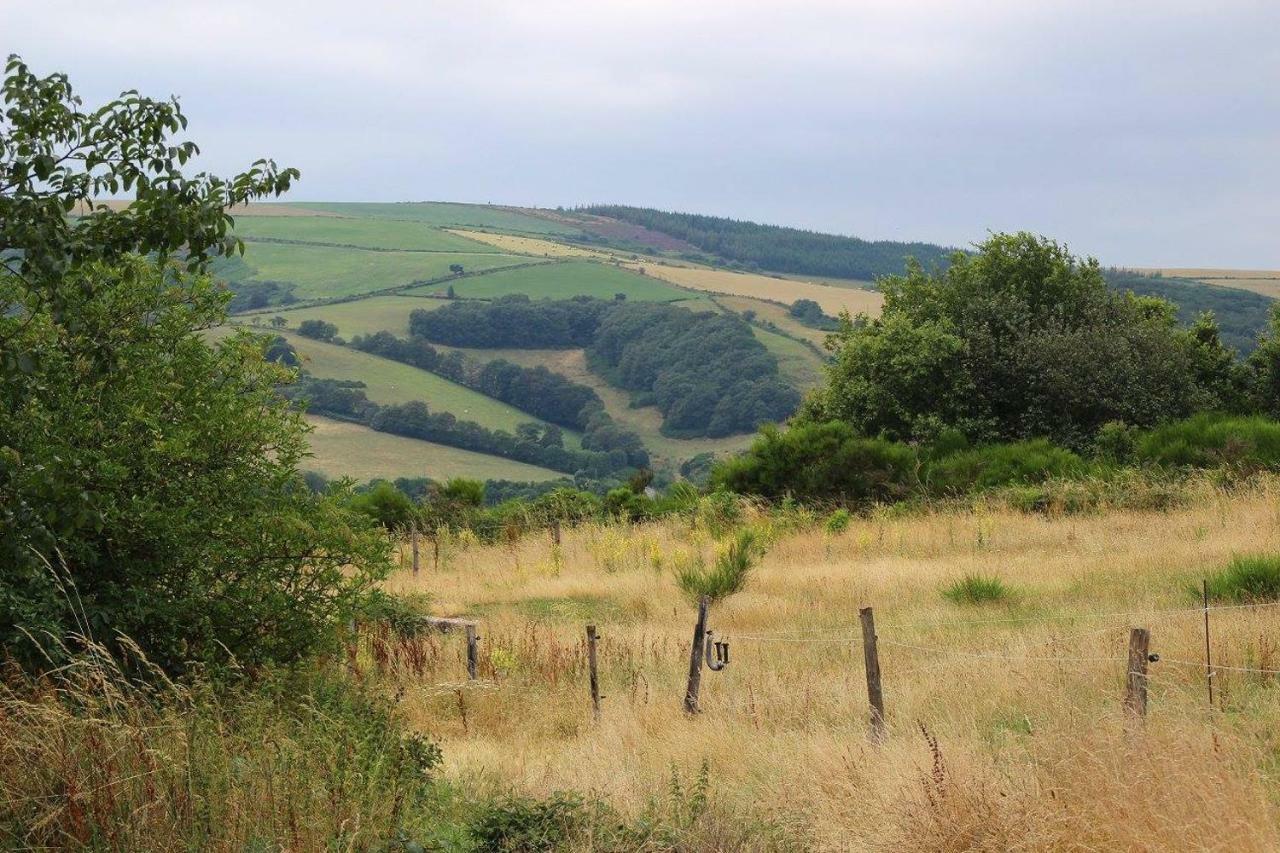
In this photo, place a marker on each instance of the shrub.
(838, 521)
(1247, 579)
(976, 589)
(1213, 440)
(1000, 465)
(318, 329)
(385, 504)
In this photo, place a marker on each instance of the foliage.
(510, 824)
(705, 372)
(1240, 315)
(512, 321)
(976, 589)
(810, 313)
(318, 329)
(1210, 441)
(56, 158)
(729, 574)
(150, 482)
(838, 521)
(385, 504)
(1247, 579)
(772, 247)
(1020, 340)
(1000, 465)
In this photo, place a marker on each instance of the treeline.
(778, 248)
(1241, 315)
(512, 321)
(705, 372)
(540, 392)
(810, 313)
(533, 443)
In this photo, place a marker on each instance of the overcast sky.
(1145, 133)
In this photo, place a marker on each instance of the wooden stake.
(595, 677)
(1208, 660)
(413, 538)
(1135, 698)
(435, 547)
(871, 659)
(473, 651)
(695, 658)
(555, 532)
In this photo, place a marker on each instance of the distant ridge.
(777, 248)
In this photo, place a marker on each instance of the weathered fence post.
(413, 539)
(695, 658)
(594, 674)
(1135, 696)
(871, 659)
(555, 532)
(1208, 659)
(435, 548)
(473, 651)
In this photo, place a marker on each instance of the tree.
(278, 322)
(1018, 340)
(456, 269)
(148, 479)
(449, 294)
(318, 329)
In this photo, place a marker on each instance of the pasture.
(562, 280)
(1005, 728)
(798, 364)
(531, 245)
(364, 233)
(443, 214)
(362, 316)
(832, 299)
(341, 449)
(773, 313)
(1264, 282)
(321, 272)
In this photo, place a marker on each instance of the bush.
(318, 329)
(1000, 465)
(976, 589)
(1213, 440)
(385, 504)
(1247, 579)
(525, 824)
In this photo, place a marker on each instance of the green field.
(364, 316)
(390, 382)
(798, 364)
(446, 214)
(320, 272)
(369, 233)
(564, 280)
(341, 449)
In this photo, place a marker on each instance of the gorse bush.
(1212, 440)
(1247, 579)
(1000, 465)
(976, 589)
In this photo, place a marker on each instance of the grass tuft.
(977, 589)
(1247, 579)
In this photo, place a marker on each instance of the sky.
(1145, 133)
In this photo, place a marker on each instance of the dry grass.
(529, 245)
(832, 299)
(1003, 735)
(1264, 282)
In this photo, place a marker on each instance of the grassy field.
(446, 214)
(563, 280)
(363, 316)
(342, 449)
(369, 233)
(325, 271)
(1265, 282)
(646, 421)
(775, 314)
(832, 299)
(390, 382)
(531, 245)
(798, 364)
(1005, 728)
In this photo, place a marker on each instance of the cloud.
(1144, 133)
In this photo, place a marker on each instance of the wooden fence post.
(594, 673)
(413, 538)
(1208, 658)
(435, 550)
(555, 532)
(473, 652)
(871, 659)
(695, 658)
(1135, 696)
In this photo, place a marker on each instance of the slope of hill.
(776, 247)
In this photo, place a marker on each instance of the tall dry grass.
(1006, 730)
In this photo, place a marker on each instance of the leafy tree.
(1019, 340)
(318, 329)
(148, 479)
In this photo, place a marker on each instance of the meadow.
(1005, 725)
(341, 449)
(444, 214)
(532, 245)
(832, 299)
(797, 363)
(321, 272)
(1264, 282)
(365, 233)
(362, 316)
(562, 280)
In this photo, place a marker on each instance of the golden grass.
(1264, 282)
(832, 299)
(1031, 749)
(529, 245)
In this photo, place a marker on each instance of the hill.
(779, 248)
